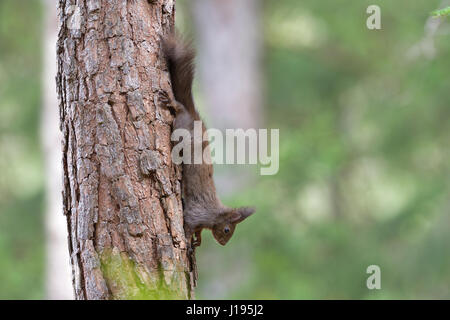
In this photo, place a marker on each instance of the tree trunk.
(121, 190)
(58, 275)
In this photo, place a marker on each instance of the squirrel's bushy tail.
(180, 59)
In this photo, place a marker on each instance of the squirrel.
(202, 206)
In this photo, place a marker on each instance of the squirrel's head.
(226, 223)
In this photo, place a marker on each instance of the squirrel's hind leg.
(169, 102)
(183, 119)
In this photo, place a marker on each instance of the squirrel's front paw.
(198, 239)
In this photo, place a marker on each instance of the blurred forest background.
(364, 119)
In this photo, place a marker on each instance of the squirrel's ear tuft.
(241, 214)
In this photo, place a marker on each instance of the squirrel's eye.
(226, 230)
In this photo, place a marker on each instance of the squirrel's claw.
(164, 98)
(168, 101)
(198, 239)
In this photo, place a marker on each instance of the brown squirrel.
(202, 206)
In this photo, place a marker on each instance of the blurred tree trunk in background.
(121, 190)
(229, 37)
(58, 275)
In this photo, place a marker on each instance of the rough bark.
(121, 190)
(58, 274)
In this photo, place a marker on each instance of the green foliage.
(364, 171)
(441, 13)
(21, 184)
